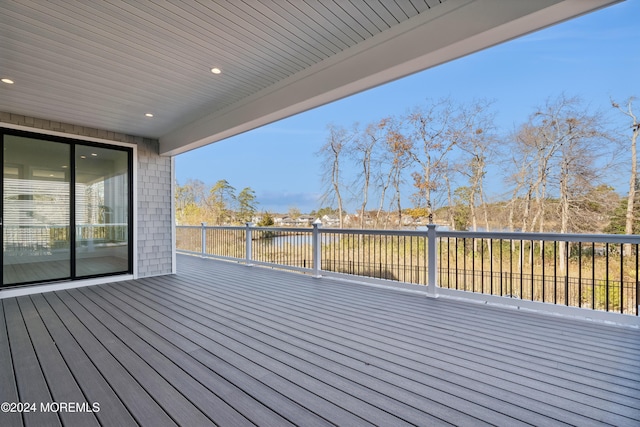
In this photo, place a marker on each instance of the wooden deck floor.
(229, 345)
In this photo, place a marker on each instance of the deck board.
(134, 397)
(174, 361)
(112, 412)
(32, 386)
(224, 344)
(476, 411)
(138, 364)
(276, 356)
(8, 390)
(61, 382)
(228, 344)
(244, 386)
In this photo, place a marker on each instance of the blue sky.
(595, 57)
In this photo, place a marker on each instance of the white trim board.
(50, 287)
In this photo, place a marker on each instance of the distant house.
(423, 220)
(287, 221)
(305, 220)
(356, 218)
(330, 220)
(278, 219)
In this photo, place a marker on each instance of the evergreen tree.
(246, 205)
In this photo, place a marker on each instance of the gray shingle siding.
(154, 210)
(153, 187)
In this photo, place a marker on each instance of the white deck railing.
(596, 272)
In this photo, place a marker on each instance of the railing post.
(432, 261)
(248, 244)
(203, 239)
(317, 248)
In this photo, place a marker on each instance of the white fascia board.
(451, 30)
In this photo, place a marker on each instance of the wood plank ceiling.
(104, 64)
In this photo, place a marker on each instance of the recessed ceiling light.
(216, 70)
(94, 154)
(7, 81)
(64, 166)
(148, 115)
(83, 157)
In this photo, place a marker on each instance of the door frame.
(21, 289)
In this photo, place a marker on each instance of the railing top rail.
(217, 227)
(285, 229)
(506, 235)
(374, 232)
(111, 224)
(20, 226)
(224, 227)
(243, 227)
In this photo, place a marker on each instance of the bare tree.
(541, 138)
(633, 178)
(520, 179)
(434, 136)
(399, 147)
(580, 140)
(385, 164)
(332, 153)
(189, 202)
(383, 178)
(450, 209)
(363, 152)
(475, 136)
(524, 176)
(569, 139)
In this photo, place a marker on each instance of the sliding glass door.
(66, 209)
(36, 195)
(101, 211)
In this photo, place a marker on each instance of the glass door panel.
(35, 210)
(101, 210)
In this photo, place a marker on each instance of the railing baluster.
(203, 239)
(579, 274)
(317, 248)
(593, 276)
(544, 281)
(431, 250)
(248, 240)
(606, 286)
(566, 274)
(532, 263)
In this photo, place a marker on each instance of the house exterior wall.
(155, 243)
(153, 186)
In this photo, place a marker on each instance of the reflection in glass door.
(35, 210)
(101, 211)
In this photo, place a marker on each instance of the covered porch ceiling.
(105, 64)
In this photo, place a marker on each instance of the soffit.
(104, 64)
